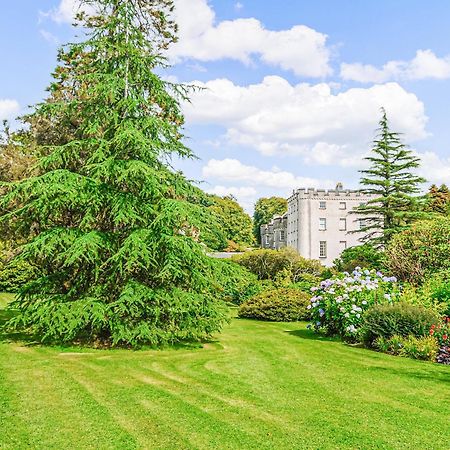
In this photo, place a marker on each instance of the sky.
(293, 88)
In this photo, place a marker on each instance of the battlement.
(327, 194)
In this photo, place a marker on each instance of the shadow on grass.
(11, 336)
(435, 372)
(311, 335)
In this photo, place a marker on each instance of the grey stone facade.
(318, 223)
(274, 234)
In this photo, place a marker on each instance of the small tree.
(265, 209)
(235, 223)
(114, 230)
(438, 199)
(390, 179)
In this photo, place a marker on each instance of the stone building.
(273, 234)
(318, 223)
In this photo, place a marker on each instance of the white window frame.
(342, 205)
(322, 205)
(322, 249)
(282, 235)
(343, 245)
(362, 223)
(322, 223)
(342, 224)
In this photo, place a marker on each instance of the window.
(281, 235)
(362, 224)
(342, 205)
(322, 205)
(322, 224)
(323, 249)
(267, 239)
(342, 245)
(342, 224)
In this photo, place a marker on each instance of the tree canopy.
(265, 209)
(116, 232)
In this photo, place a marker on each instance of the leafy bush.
(364, 256)
(235, 283)
(441, 294)
(401, 319)
(424, 250)
(339, 304)
(267, 264)
(15, 274)
(423, 347)
(441, 332)
(277, 305)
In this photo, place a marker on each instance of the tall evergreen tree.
(438, 199)
(391, 180)
(116, 232)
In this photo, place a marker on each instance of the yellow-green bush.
(277, 305)
(423, 347)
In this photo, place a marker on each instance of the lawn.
(259, 386)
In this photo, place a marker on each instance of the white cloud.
(311, 121)
(434, 168)
(8, 109)
(425, 65)
(49, 37)
(238, 6)
(235, 171)
(66, 10)
(300, 48)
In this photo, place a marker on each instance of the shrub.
(423, 347)
(364, 256)
(15, 274)
(267, 264)
(339, 304)
(441, 294)
(423, 250)
(277, 305)
(236, 283)
(441, 332)
(402, 319)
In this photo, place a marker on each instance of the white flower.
(364, 302)
(346, 315)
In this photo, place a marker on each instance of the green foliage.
(422, 347)
(265, 209)
(438, 199)
(441, 294)
(237, 284)
(391, 180)
(235, 223)
(268, 264)
(420, 252)
(364, 256)
(116, 232)
(402, 319)
(277, 305)
(15, 274)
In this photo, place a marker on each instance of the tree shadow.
(430, 372)
(311, 335)
(7, 335)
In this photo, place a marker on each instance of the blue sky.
(293, 87)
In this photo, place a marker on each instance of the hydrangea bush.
(339, 303)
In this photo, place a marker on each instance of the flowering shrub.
(339, 303)
(423, 347)
(441, 332)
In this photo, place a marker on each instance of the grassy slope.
(262, 386)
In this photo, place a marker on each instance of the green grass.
(260, 386)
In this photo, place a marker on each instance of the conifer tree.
(438, 199)
(392, 182)
(115, 231)
(265, 209)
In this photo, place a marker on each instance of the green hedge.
(398, 319)
(277, 305)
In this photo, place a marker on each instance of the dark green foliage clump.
(15, 274)
(364, 256)
(441, 294)
(270, 264)
(277, 305)
(420, 252)
(398, 319)
(237, 284)
(116, 232)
